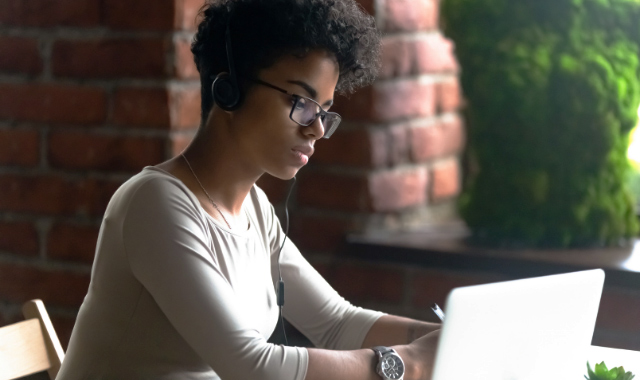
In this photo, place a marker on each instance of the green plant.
(602, 373)
(552, 88)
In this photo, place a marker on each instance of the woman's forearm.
(390, 330)
(360, 364)
(337, 365)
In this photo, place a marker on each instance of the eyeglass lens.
(305, 111)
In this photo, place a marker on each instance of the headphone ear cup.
(226, 93)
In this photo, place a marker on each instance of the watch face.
(392, 367)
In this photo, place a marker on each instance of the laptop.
(535, 328)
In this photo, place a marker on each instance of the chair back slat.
(30, 346)
(35, 309)
(22, 350)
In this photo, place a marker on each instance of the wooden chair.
(30, 346)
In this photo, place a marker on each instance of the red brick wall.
(90, 92)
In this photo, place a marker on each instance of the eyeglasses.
(305, 111)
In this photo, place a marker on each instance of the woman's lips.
(303, 153)
(301, 157)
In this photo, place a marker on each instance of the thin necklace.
(205, 191)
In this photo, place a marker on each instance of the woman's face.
(268, 139)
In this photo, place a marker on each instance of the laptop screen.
(536, 328)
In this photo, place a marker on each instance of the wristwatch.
(390, 365)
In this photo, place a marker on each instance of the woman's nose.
(315, 130)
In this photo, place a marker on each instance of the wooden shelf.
(447, 246)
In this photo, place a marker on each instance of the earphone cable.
(280, 294)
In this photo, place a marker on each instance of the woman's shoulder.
(154, 187)
(152, 177)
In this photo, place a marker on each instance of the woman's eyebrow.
(310, 90)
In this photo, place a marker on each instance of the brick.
(389, 101)
(185, 67)
(185, 108)
(365, 147)
(403, 99)
(20, 282)
(414, 55)
(446, 180)
(368, 282)
(320, 232)
(139, 15)
(50, 13)
(110, 58)
(400, 146)
(357, 107)
(619, 310)
(333, 191)
(275, 188)
(454, 135)
(72, 242)
(20, 55)
(82, 150)
(435, 54)
(427, 142)
(409, 15)
(19, 147)
(429, 286)
(187, 14)
(392, 190)
(19, 237)
(386, 190)
(54, 195)
(142, 107)
(449, 95)
(439, 139)
(52, 103)
(398, 57)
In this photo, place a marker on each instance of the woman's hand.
(419, 356)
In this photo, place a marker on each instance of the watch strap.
(381, 350)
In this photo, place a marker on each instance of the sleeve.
(167, 247)
(311, 305)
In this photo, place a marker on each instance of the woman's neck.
(216, 163)
(221, 172)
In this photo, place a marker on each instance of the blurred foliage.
(552, 89)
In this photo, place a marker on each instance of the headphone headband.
(225, 89)
(232, 69)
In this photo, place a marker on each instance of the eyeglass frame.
(296, 97)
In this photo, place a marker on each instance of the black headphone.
(225, 89)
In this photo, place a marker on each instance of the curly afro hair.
(262, 31)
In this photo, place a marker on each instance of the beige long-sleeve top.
(176, 295)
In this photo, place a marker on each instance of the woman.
(190, 251)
